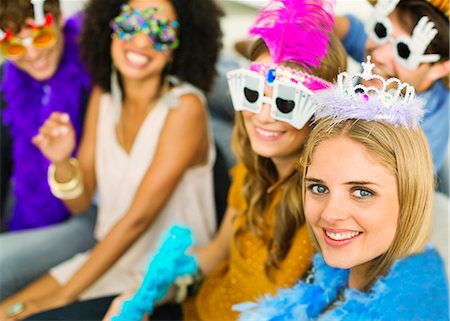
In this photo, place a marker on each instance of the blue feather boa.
(415, 288)
(169, 262)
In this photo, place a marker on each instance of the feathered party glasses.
(391, 101)
(408, 51)
(43, 34)
(162, 32)
(292, 91)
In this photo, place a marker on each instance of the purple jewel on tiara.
(392, 101)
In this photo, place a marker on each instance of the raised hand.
(56, 138)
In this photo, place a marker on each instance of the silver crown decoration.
(389, 97)
(389, 100)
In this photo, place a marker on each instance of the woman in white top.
(146, 146)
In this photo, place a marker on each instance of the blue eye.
(318, 189)
(362, 193)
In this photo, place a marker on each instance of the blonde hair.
(406, 154)
(262, 172)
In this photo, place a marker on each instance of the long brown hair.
(262, 172)
(406, 154)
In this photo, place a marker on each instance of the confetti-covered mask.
(161, 31)
(408, 51)
(291, 96)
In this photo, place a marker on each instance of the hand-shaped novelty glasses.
(408, 51)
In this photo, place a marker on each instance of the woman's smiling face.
(273, 138)
(137, 57)
(351, 202)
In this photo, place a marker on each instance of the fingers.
(61, 117)
(53, 128)
(437, 71)
(114, 309)
(423, 33)
(58, 124)
(116, 305)
(20, 316)
(39, 140)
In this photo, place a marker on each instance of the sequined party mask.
(162, 32)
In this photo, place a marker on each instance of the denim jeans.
(27, 255)
(96, 309)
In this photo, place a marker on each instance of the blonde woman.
(368, 191)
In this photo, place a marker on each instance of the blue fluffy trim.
(168, 263)
(415, 288)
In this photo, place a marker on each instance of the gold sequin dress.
(241, 277)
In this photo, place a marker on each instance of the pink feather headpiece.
(296, 30)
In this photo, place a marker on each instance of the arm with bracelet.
(70, 189)
(70, 179)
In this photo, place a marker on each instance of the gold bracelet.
(67, 186)
(68, 195)
(68, 190)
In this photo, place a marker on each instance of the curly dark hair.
(14, 13)
(194, 60)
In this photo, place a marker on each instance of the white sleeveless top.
(118, 177)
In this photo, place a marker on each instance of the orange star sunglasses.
(43, 36)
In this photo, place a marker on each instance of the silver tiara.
(390, 101)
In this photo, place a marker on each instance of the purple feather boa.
(29, 103)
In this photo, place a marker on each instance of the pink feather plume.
(296, 30)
